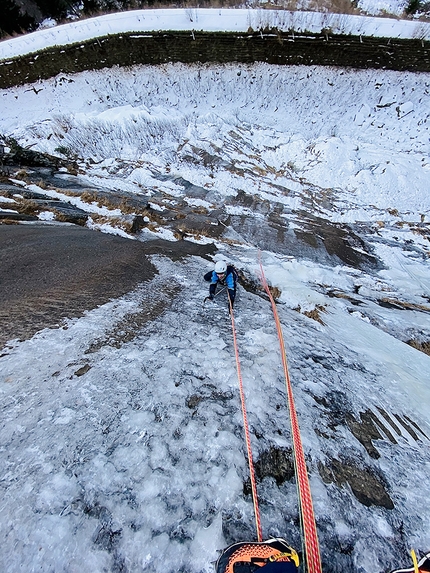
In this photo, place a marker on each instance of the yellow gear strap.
(293, 554)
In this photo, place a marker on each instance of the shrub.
(412, 7)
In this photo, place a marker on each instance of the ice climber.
(225, 276)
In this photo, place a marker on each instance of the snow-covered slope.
(122, 445)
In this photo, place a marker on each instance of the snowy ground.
(122, 447)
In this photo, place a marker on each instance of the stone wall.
(271, 47)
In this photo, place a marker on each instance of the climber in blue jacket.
(224, 275)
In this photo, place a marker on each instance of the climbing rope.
(246, 427)
(313, 558)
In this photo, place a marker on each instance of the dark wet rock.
(385, 303)
(365, 431)
(193, 401)
(336, 404)
(63, 211)
(106, 537)
(365, 484)
(8, 216)
(367, 428)
(402, 305)
(251, 284)
(207, 394)
(138, 224)
(338, 240)
(417, 427)
(55, 179)
(127, 49)
(83, 370)
(135, 203)
(276, 463)
(317, 239)
(339, 294)
(200, 225)
(255, 204)
(7, 189)
(325, 361)
(49, 272)
(191, 190)
(27, 194)
(407, 427)
(29, 203)
(19, 156)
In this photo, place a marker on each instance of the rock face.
(367, 487)
(68, 270)
(276, 463)
(28, 204)
(271, 46)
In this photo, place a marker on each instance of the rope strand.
(313, 558)
(246, 428)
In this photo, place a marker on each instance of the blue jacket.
(229, 281)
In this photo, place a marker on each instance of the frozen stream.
(122, 446)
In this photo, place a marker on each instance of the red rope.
(313, 558)
(247, 436)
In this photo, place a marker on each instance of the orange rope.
(313, 558)
(246, 428)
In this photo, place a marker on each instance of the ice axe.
(216, 294)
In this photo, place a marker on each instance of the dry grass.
(405, 305)
(116, 222)
(72, 170)
(126, 208)
(91, 197)
(27, 207)
(22, 175)
(275, 292)
(104, 201)
(5, 203)
(421, 346)
(179, 235)
(61, 217)
(153, 216)
(67, 192)
(42, 184)
(9, 222)
(200, 210)
(152, 227)
(422, 231)
(339, 294)
(233, 242)
(314, 314)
